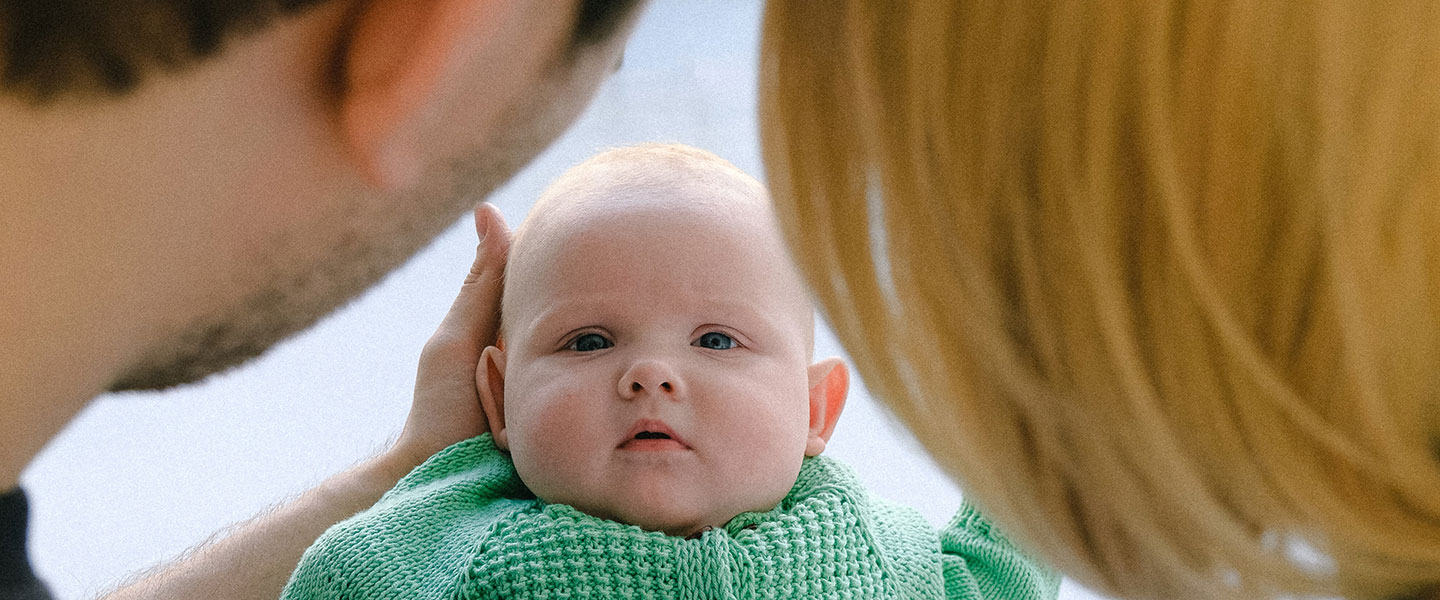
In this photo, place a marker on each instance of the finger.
(475, 314)
(494, 241)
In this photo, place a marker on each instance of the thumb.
(475, 314)
(446, 407)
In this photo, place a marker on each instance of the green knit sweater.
(462, 525)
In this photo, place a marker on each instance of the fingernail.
(483, 228)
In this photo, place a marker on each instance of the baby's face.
(656, 367)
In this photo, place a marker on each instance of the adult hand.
(447, 408)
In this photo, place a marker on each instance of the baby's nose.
(649, 376)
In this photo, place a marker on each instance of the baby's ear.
(490, 382)
(829, 384)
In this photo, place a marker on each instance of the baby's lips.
(654, 429)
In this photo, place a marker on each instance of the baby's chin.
(677, 504)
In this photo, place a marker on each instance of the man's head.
(657, 346)
(107, 47)
(190, 197)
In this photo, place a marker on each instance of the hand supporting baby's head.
(656, 368)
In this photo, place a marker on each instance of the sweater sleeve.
(980, 564)
(419, 535)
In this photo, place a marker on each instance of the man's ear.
(408, 65)
(829, 384)
(490, 382)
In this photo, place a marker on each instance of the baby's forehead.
(647, 225)
(645, 189)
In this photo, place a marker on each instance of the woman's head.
(1157, 281)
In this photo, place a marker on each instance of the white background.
(139, 478)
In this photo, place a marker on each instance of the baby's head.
(657, 342)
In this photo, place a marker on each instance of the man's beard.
(373, 246)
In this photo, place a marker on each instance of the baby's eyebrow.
(597, 312)
(751, 319)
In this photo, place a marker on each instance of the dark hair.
(52, 48)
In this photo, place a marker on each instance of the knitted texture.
(463, 526)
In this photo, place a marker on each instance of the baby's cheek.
(767, 458)
(765, 477)
(550, 443)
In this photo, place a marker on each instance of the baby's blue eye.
(715, 341)
(589, 342)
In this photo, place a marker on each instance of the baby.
(655, 393)
(655, 369)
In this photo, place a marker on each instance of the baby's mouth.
(651, 434)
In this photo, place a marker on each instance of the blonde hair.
(1158, 282)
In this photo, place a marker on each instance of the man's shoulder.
(17, 579)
